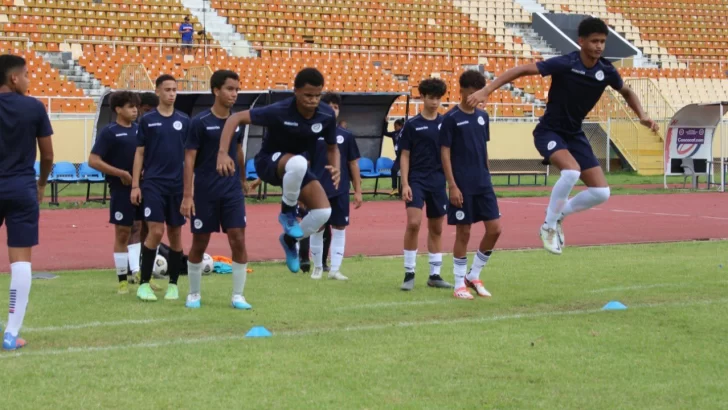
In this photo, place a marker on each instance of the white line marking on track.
(361, 328)
(664, 214)
(626, 211)
(715, 217)
(99, 324)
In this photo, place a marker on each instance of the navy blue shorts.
(547, 142)
(121, 211)
(476, 208)
(20, 213)
(436, 200)
(339, 210)
(266, 165)
(227, 212)
(162, 208)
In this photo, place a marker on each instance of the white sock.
(194, 276)
(292, 179)
(19, 291)
(316, 245)
(435, 263)
(135, 252)
(480, 260)
(410, 261)
(121, 260)
(586, 199)
(559, 196)
(460, 265)
(315, 219)
(338, 243)
(240, 273)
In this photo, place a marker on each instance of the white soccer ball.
(207, 264)
(160, 265)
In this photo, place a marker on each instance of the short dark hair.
(331, 98)
(162, 78)
(472, 79)
(592, 25)
(121, 98)
(434, 87)
(220, 76)
(8, 63)
(310, 76)
(149, 99)
(399, 121)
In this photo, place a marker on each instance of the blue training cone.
(258, 331)
(614, 305)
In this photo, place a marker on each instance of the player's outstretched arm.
(45, 146)
(95, 162)
(188, 205)
(514, 73)
(225, 164)
(634, 103)
(334, 158)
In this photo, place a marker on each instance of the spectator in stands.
(186, 31)
(394, 135)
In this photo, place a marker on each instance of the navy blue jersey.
(116, 145)
(288, 132)
(421, 137)
(23, 119)
(467, 135)
(348, 151)
(163, 139)
(204, 136)
(575, 90)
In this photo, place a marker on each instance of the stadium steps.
(533, 39)
(532, 6)
(217, 26)
(64, 63)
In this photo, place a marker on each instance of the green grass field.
(541, 342)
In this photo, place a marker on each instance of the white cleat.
(560, 232)
(193, 301)
(317, 273)
(550, 240)
(337, 276)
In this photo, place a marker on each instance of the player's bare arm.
(456, 197)
(481, 96)
(136, 192)
(187, 209)
(95, 162)
(243, 171)
(634, 103)
(404, 160)
(225, 164)
(334, 167)
(356, 180)
(45, 146)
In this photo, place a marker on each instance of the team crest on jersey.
(339, 139)
(599, 75)
(118, 216)
(276, 156)
(317, 127)
(177, 125)
(481, 121)
(460, 215)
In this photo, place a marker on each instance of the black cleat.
(305, 265)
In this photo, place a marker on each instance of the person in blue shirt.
(464, 135)
(394, 135)
(186, 32)
(24, 124)
(293, 127)
(113, 154)
(578, 80)
(160, 155)
(219, 201)
(338, 196)
(423, 183)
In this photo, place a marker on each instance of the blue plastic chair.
(367, 171)
(91, 176)
(37, 170)
(63, 172)
(250, 170)
(384, 166)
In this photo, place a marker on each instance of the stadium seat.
(384, 166)
(63, 172)
(91, 176)
(367, 171)
(37, 170)
(250, 172)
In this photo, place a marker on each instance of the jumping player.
(338, 196)
(464, 135)
(23, 123)
(424, 183)
(160, 154)
(113, 154)
(218, 200)
(293, 127)
(578, 82)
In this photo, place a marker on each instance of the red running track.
(83, 238)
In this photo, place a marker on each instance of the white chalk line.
(100, 324)
(346, 329)
(393, 304)
(655, 285)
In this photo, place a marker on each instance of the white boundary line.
(654, 285)
(360, 328)
(394, 304)
(99, 324)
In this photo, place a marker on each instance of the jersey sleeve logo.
(317, 127)
(599, 75)
(339, 139)
(481, 121)
(177, 125)
(276, 156)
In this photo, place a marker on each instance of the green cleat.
(123, 287)
(146, 293)
(172, 292)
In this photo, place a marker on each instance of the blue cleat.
(239, 302)
(291, 255)
(290, 225)
(11, 342)
(193, 301)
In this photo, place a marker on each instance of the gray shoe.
(409, 281)
(438, 282)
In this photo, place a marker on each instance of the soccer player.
(293, 127)
(160, 154)
(424, 183)
(338, 196)
(578, 81)
(149, 101)
(219, 201)
(23, 122)
(394, 135)
(463, 138)
(113, 154)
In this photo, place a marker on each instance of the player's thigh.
(172, 215)
(232, 213)
(21, 214)
(121, 211)
(436, 201)
(485, 207)
(461, 215)
(266, 166)
(554, 149)
(207, 215)
(313, 196)
(591, 170)
(339, 211)
(154, 205)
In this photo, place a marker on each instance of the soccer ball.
(207, 264)
(160, 265)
